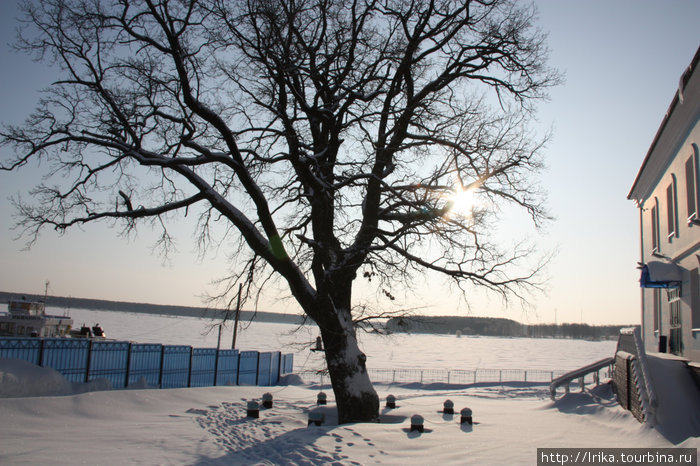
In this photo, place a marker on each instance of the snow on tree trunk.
(356, 399)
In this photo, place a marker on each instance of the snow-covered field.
(208, 426)
(394, 351)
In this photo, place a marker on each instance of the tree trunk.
(355, 397)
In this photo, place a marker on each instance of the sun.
(461, 202)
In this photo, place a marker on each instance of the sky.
(622, 61)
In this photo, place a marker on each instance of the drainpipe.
(641, 259)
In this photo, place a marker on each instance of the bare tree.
(329, 138)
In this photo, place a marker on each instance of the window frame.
(657, 308)
(655, 228)
(672, 209)
(692, 181)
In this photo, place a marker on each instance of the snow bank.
(677, 415)
(19, 378)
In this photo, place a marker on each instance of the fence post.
(279, 367)
(189, 372)
(87, 363)
(257, 368)
(393, 377)
(162, 360)
(41, 353)
(216, 364)
(128, 364)
(238, 368)
(421, 376)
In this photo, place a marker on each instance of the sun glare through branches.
(461, 202)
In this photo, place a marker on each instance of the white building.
(667, 192)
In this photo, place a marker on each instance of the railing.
(630, 341)
(165, 366)
(580, 374)
(444, 376)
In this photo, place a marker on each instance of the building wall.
(672, 215)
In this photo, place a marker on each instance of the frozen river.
(397, 351)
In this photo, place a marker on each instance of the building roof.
(671, 133)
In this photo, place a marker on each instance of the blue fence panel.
(27, 349)
(283, 364)
(144, 363)
(176, 366)
(203, 367)
(108, 360)
(287, 364)
(248, 368)
(126, 364)
(275, 367)
(264, 369)
(227, 372)
(68, 356)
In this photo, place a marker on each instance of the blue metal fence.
(227, 369)
(286, 363)
(67, 356)
(21, 348)
(248, 368)
(125, 364)
(264, 363)
(275, 368)
(144, 363)
(202, 372)
(108, 360)
(175, 366)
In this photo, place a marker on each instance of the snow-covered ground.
(208, 426)
(47, 420)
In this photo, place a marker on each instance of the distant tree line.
(145, 308)
(494, 326)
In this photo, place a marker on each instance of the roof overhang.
(657, 274)
(671, 133)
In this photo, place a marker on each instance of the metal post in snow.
(87, 363)
(162, 360)
(189, 372)
(41, 353)
(128, 363)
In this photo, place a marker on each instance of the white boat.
(28, 318)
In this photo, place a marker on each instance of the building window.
(655, 237)
(656, 309)
(691, 184)
(675, 338)
(695, 298)
(672, 208)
